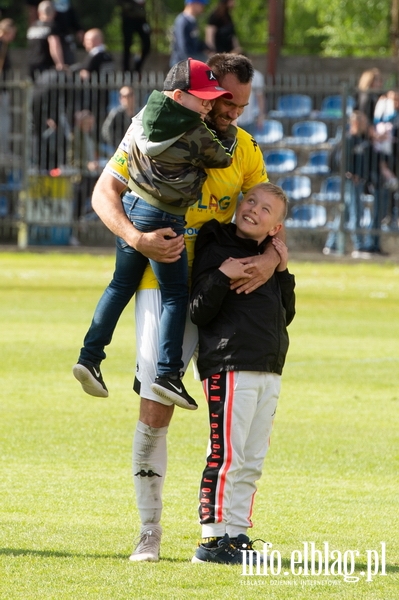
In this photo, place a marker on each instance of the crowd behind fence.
(52, 150)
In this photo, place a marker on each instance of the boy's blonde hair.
(276, 191)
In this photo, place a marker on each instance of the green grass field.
(68, 517)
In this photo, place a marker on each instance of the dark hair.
(222, 10)
(237, 64)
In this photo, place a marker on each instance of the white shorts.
(148, 313)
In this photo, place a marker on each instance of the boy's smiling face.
(259, 214)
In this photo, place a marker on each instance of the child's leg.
(266, 386)
(129, 269)
(173, 283)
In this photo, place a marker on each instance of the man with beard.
(220, 194)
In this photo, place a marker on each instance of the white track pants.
(242, 406)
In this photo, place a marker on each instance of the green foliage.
(67, 512)
(339, 27)
(335, 28)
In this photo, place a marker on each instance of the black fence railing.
(55, 141)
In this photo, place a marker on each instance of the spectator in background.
(31, 6)
(220, 32)
(69, 27)
(186, 41)
(44, 42)
(362, 176)
(94, 68)
(254, 113)
(134, 21)
(369, 90)
(97, 60)
(119, 118)
(85, 159)
(8, 32)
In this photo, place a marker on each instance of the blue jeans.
(129, 269)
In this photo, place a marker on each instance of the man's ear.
(275, 229)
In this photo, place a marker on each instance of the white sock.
(149, 469)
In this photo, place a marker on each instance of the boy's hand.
(234, 269)
(283, 253)
(259, 268)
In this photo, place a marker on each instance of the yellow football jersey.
(220, 191)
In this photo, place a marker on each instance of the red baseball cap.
(196, 78)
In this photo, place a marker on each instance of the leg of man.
(127, 35)
(155, 415)
(144, 32)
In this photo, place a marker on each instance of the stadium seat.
(308, 215)
(272, 131)
(280, 161)
(317, 163)
(309, 132)
(296, 106)
(331, 107)
(297, 187)
(330, 190)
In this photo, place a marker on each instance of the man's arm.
(106, 202)
(56, 53)
(260, 268)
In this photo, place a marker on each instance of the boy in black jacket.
(243, 343)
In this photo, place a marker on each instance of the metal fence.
(52, 151)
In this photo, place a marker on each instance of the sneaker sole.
(143, 558)
(88, 383)
(175, 398)
(197, 560)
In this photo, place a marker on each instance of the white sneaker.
(148, 544)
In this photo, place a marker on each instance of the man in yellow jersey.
(218, 201)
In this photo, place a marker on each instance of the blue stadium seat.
(330, 190)
(296, 106)
(272, 131)
(297, 187)
(280, 161)
(331, 107)
(317, 163)
(308, 215)
(309, 132)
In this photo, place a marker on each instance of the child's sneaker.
(91, 380)
(223, 552)
(171, 387)
(242, 542)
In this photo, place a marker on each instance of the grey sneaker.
(148, 545)
(91, 380)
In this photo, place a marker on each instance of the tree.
(340, 27)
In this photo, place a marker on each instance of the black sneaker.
(223, 553)
(242, 542)
(172, 388)
(91, 379)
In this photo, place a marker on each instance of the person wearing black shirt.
(220, 32)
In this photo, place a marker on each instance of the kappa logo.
(211, 76)
(148, 473)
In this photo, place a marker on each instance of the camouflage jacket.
(169, 172)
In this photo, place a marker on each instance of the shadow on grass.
(57, 554)
(286, 564)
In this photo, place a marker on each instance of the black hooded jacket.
(237, 332)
